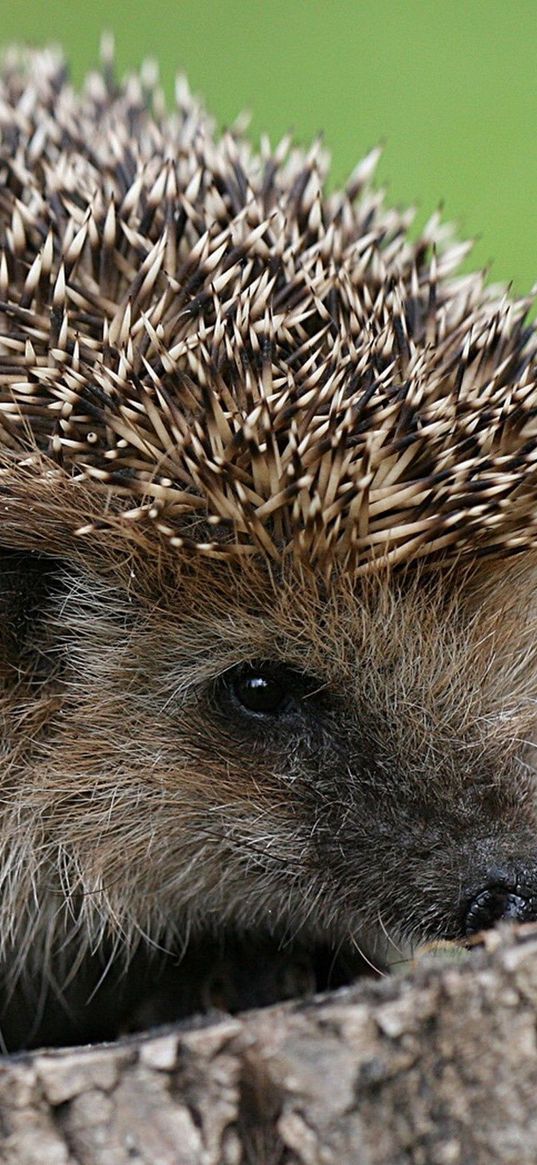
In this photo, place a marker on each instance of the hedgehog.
(268, 519)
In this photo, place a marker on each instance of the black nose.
(501, 901)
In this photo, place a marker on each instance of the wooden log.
(434, 1067)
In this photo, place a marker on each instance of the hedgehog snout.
(504, 897)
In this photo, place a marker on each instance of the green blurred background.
(450, 88)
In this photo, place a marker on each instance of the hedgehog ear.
(41, 508)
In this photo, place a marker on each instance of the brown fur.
(134, 807)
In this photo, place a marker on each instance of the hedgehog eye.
(264, 690)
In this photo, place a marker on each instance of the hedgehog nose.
(502, 899)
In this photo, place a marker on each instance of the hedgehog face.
(260, 752)
(385, 722)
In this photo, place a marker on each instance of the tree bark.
(438, 1067)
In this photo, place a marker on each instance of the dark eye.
(265, 689)
(261, 694)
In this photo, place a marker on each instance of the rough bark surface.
(435, 1068)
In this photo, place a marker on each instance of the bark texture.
(434, 1068)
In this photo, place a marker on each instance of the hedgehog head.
(268, 486)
